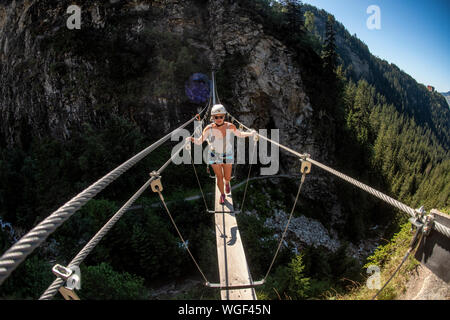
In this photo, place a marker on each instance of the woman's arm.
(200, 139)
(241, 134)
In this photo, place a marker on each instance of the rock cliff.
(132, 58)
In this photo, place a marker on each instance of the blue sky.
(414, 35)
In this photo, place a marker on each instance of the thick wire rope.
(287, 225)
(399, 205)
(170, 215)
(54, 287)
(193, 165)
(248, 177)
(181, 237)
(11, 259)
(198, 181)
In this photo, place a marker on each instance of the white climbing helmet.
(218, 109)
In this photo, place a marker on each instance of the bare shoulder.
(206, 128)
(231, 126)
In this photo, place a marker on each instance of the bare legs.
(227, 168)
(219, 175)
(222, 171)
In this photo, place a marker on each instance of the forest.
(386, 130)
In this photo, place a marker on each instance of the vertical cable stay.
(306, 168)
(393, 202)
(21, 249)
(11, 259)
(248, 175)
(56, 285)
(157, 187)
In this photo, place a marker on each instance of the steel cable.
(54, 287)
(11, 259)
(401, 206)
(287, 225)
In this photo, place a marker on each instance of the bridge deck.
(233, 268)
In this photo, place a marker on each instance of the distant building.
(430, 88)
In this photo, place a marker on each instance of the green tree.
(299, 284)
(294, 15)
(29, 280)
(359, 111)
(329, 55)
(309, 22)
(101, 282)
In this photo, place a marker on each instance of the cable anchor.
(420, 213)
(187, 146)
(255, 136)
(72, 278)
(156, 184)
(428, 224)
(305, 166)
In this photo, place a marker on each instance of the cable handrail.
(58, 282)
(380, 195)
(17, 253)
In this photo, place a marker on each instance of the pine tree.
(329, 55)
(294, 16)
(309, 22)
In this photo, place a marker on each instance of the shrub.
(101, 282)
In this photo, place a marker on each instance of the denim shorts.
(217, 158)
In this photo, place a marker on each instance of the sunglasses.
(218, 117)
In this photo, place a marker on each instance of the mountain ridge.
(74, 105)
(447, 97)
(359, 63)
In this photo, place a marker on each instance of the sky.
(413, 34)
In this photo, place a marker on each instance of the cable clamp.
(420, 213)
(305, 156)
(255, 136)
(188, 145)
(72, 277)
(156, 184)
(416, 222)
(305, 166)
(428, 224)
(62, 272)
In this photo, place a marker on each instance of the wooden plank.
(233, 268)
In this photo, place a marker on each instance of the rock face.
(425, 285)
(53, 80)
(447, 97)
(303, 230)
(49, 86)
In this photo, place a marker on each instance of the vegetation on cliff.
(382, 127)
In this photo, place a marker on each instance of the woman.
(221, 146)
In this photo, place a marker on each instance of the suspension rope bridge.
(235, 277)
